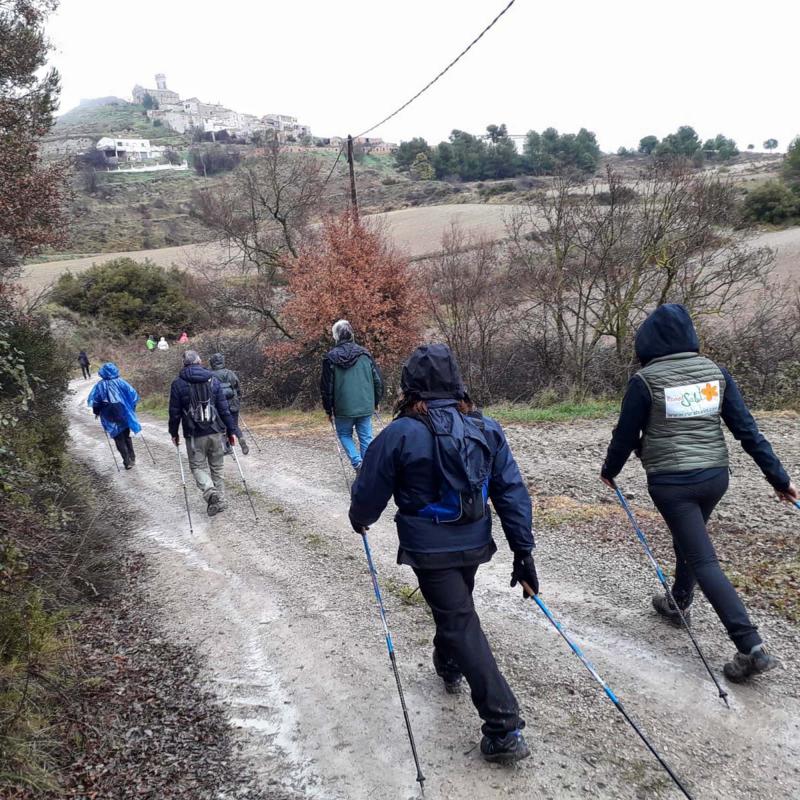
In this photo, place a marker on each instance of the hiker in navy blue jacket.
(671, 417)
(197, 403)
(442, 461)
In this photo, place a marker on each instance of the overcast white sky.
(622, 68)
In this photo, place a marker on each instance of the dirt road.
(282, 613)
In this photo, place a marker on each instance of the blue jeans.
(344, 430)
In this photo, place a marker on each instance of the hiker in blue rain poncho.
(114, 401)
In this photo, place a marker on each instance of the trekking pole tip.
(724, 695)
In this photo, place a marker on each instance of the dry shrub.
(351, 272)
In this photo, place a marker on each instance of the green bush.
(772, 202)
(132, 297)
(791, 164)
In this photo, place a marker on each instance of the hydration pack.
(202, 412)
(463, 459)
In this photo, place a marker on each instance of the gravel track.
(282, 614)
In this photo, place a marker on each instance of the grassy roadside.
(566, 411)
(293, 421)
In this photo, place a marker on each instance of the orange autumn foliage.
(352, 272)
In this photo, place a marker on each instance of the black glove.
(524, 570)
(358, 527)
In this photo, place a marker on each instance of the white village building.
(184, 115)
(129, 149)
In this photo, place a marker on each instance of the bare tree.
(260, 216)
(592, 262)
(470, 301)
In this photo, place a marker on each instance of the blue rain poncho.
(114, 399)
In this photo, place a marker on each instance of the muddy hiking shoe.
(448, 671)
(505, 749)
(667, 610)
(245, 447)
(215, 505)
(745, 665)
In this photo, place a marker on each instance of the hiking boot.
(227, 450)
(245, 447)
(505, 749)
(449, 672)
(744, 665)
(667, 610)
(127, 464)
(215, 505)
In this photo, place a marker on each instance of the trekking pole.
(639, 533)
(147, 447)
(252, 435)
(341, 454)
(244, 482)
(185, 492)
(378, 419)
(611, 696)
(113, 454)
(390, 646)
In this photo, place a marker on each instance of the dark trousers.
(125, 446)
(686, 510)
(85, 371)
(460, 640)
(235, 415)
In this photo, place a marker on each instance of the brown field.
(417, 231)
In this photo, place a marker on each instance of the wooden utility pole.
(353, 198)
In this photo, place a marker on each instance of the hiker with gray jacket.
(233, 394)
(198, 405)
(671, 416)
(351, 387)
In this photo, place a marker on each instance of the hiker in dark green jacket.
(351, 388)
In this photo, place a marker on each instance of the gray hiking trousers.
(206, 462)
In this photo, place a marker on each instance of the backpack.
(463, 458)
(202, 412)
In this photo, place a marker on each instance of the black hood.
(668, 330)
(346, 354)
(196, 373)
(432, 374)
(217, 361)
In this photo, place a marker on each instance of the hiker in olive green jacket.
(671, 417)
(351, 388)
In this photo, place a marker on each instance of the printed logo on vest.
(694, 400)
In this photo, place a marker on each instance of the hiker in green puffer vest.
(671, 417)
(351, 387)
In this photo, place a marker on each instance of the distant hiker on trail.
(351, 388)
(443, 461)
(233, 394)
(114, 401)
(196, 401)
(83, 360)
(162, 344)
(150, 344)
(671, 417)
(183, 339)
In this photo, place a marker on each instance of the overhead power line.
(445, 70)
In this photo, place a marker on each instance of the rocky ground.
(280, 615)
